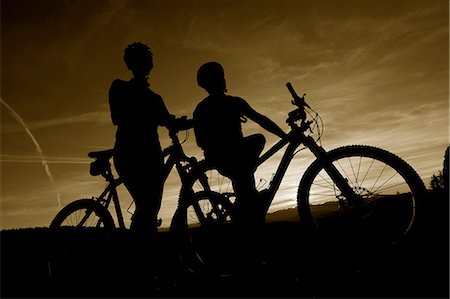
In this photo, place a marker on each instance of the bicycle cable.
(317, 127)
(186, 136)
(129, 207)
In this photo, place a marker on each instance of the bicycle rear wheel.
(389, 192)
(79, 230)
(202, 223)
(83, 213)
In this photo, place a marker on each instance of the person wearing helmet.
(218, 132)
(137, 111)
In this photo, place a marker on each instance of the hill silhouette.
(296, 265)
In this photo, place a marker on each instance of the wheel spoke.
(327, 181)
(387, 186)
(378, 177)
(345, 173)
(390, 186)
(206, 211)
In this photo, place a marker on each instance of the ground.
(294, 264)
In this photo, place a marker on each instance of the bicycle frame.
(175, 157)
(294, 139)
(110, 193)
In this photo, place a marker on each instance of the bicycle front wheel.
(387, 188)
(202, 222)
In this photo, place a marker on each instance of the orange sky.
(376, 71)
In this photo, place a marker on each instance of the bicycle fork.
(332, 171)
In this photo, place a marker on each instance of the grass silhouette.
(104, 265)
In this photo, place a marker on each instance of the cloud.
(99, 117)
(100, 21)
(377, 73)
(7, 158)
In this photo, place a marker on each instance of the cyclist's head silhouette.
(211, 77)
(139, 59)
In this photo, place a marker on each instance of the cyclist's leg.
(246, 198)
(249, 223)
(249, 205)
(142, 176)
(147, 196)
(146, 187)
(141, 169)
(253, 145)
(239, 165)
(142, 243)
(246, 216)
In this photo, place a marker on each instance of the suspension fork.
(185, 177)
(330, 169)
(186, 187)
(188, 180)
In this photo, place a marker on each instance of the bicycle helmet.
(211, 76)
(137, 56)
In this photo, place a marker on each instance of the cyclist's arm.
(199, 128)
(114, 94)
(184, 124)
(262, 120)
(170, 121)
(165, 118)
(180, 124)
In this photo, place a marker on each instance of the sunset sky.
(376, 71)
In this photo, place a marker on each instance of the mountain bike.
(94, 216)
(95, 211)
(359, 197)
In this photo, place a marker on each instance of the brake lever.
(298, 101)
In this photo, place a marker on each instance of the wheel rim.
(80, 223)
(387, 207)
(204, 224)
(85, 217)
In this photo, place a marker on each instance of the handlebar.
(180, 124)
(299, 113)
(298, 101)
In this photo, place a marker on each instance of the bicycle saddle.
(100, 155)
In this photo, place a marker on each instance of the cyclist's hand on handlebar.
(180, 124)
(184, 123)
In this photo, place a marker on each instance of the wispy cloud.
(99, 117)
(8, 158)
(95, 27)
(377, 73)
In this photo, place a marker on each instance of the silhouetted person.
(218, 131)
(137, 112)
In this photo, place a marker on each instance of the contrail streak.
(38, 148)
(36, 159)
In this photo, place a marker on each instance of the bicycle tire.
(202, 221)
(104, 220)
(388, 210)
(67, 257)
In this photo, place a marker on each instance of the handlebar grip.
(291, 90)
